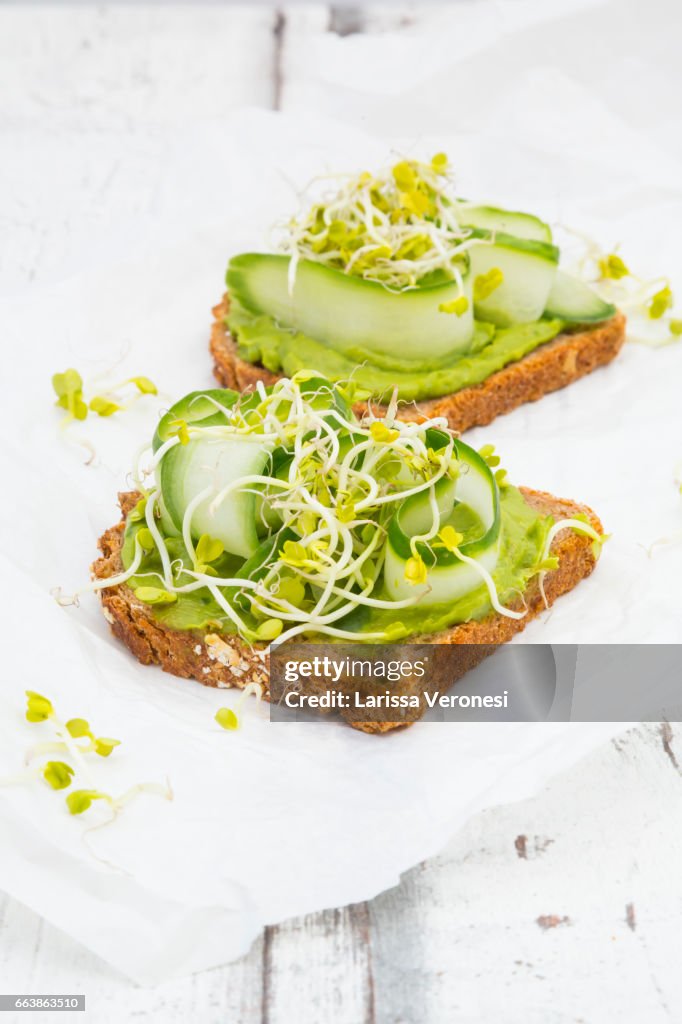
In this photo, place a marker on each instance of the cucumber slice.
(572, 299)
(449, 578)
(348, 313)
(510, 222)
(188, 469)
(528, 270)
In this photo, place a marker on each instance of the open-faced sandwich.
(394, 281)
(280, 514)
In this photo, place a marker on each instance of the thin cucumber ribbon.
(448, 576)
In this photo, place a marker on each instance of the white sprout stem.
(341, 634)
(150, 519)
(187, 520)
(153, 788)
(72, 747)
(435, 523)
(563, 524)
(237, 485)
(509, 613)
(569, 524)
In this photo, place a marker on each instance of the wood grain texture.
(458, 940)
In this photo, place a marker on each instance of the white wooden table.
(565, 908)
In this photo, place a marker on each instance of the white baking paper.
(275, 821)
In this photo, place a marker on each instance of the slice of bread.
(231, 662)
(549, 367)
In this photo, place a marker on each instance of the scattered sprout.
(227, 719)
(144, 385)
(648, 303)
(104, 745)
(58, 774)
(661, 302)
(78, 727)
(104, 406)
(613, 267)
(81, 799)
(68, 387)
(38, 708)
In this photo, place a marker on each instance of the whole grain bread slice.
(547, 368)
(228, 661)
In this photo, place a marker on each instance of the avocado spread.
(261, 340)
(523, 538)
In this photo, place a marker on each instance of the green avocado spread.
(261, 340)
(523, 534)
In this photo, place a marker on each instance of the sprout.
(104, 406)
(57, 774)
(450, 538)
(415, 570)
(38, 708)
(393, 227)
(208, 550)
(486, 284)
(81, 799)
(333, 500)
(68, 386)
(647, 302)
(144, 385)
(613, 267)
(547, 562)
(458, 306)
(383, 434)
(227, 719)
(660, 303)
(155, 595)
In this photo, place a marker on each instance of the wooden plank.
(37, 958)
(319, 968)
(580, 913)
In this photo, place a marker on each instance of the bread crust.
(226, 662)
(551, 366)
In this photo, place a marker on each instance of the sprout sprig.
(393, 227)
(60, 775)
(69, 389)
(648, 302)
(333, 500)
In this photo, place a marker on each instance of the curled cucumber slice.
(475, 492)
